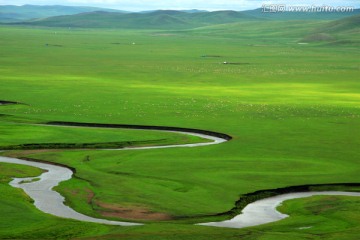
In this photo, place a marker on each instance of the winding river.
(47, 200)
(40, 189)
(264, 211)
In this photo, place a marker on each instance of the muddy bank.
(143, 127)
(4, 102)
(100, 145)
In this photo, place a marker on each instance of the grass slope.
(345, 24)
(338, 32)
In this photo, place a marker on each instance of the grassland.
(292, 109)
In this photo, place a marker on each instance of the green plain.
(293, 111)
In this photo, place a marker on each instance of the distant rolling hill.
(11, 13)
(345, 24)
(166, 19)
(218, 17)
(342, 31)
(161, 19)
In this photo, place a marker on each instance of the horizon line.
(146, 10)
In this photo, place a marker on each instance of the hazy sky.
(138, 5)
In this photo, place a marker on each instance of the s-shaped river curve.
(40, 188)
(51, 202)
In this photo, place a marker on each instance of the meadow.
(292, 109)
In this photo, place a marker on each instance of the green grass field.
(292, 109)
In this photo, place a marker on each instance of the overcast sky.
(139, 5)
